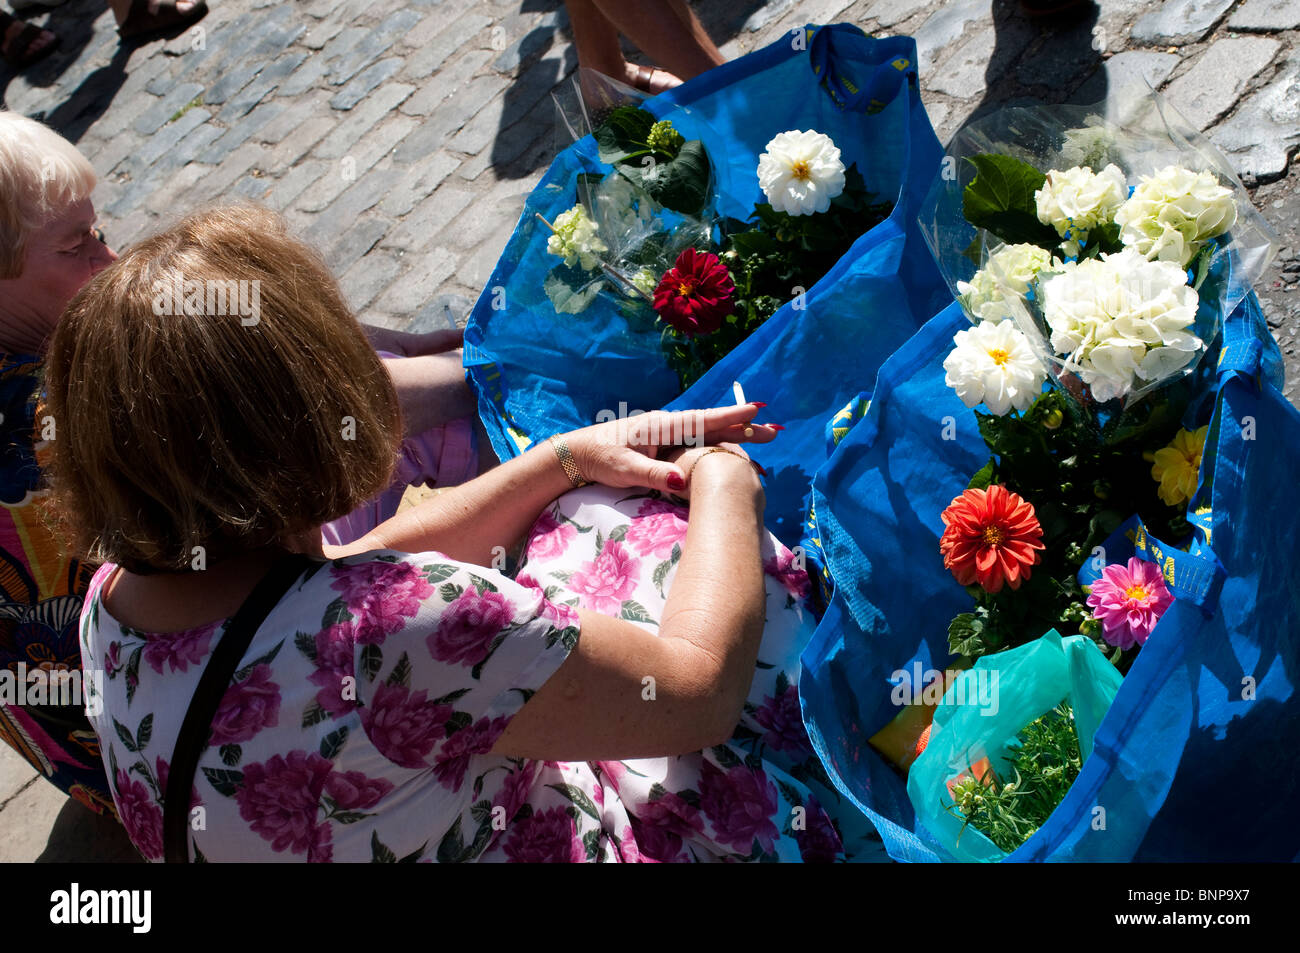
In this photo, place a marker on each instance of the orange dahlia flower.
(991, 536)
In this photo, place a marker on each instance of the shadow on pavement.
(528, 120)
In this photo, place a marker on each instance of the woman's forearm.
(717, 597)
(469, 522)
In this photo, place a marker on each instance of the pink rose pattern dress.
(359, 724)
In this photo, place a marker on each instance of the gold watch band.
(567, 463)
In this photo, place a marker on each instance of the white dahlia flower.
(801, 172)
(993, 364)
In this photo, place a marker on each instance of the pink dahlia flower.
(1129, 601)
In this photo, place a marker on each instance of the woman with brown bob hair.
(401, 699)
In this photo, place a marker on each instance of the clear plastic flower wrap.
(644, 197)
(1115, 236)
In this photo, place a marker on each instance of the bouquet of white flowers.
(1114, 238)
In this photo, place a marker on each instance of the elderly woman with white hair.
(49, 250)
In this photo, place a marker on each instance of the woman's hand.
(624, 453)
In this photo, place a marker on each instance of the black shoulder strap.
(197, 726)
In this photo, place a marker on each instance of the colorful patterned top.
(41, 592)
(361, 722)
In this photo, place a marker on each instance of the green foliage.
(1083, 480)
(1046, 762)
(653, 157)
(1000, 199)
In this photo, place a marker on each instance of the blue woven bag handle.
(829, 48)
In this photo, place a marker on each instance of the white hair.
(41, 173)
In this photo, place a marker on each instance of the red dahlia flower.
(696, 294)
(991, 537)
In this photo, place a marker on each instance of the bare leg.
(667, 31)
(431, 390)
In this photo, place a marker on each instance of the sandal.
(20, 54)
(644, 80)
(140, 22)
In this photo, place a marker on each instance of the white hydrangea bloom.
(645, 280)
(1078, 200)
(1015, 266)
(1088, 144)
(575, 239)
(993, 364)
(1122, 320)
(801, 172)
(1172, 214)
(624, 208)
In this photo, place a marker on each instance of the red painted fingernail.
(759, 468)
(757, 403)
(777, 427)
(675, 482)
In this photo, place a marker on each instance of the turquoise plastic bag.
(987, 706)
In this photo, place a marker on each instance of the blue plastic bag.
(537, 373)
(1197, 757)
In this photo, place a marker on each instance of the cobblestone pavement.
(402, 136)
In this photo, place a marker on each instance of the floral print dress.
(359, 723)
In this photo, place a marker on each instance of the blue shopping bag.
(537, 373)
(1195, 759)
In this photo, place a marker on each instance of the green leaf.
(414, 855)
(623, 134)
(680, 184)
(125, 736)
(306, 644)
(983, 477)
(572, 288)
(449, 592)
(458, 721)
(450, 697)
(577, 797)
(725, 756)
(633, 611)
(483, 585)
(618, 534)
(1000, 199)
(349, 817)
(401, 673)
(226, 783)
(313, 714)
(266, 659)
(372, 661)
(335, 613)
(439, 572)
(144, 732)
(333, 743)
(965, 635)
(230, 754)
(661, 573)
(591, 841)
(379, 853)
(451, 848)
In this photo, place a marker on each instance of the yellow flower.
(1178, 466)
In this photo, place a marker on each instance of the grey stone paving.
(402, 136)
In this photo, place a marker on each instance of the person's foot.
(10, 46)
(649, 79)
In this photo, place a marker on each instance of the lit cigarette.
(738, 391)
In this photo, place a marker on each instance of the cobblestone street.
(401, 137)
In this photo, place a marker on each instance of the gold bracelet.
(567, 463)
(719, 450)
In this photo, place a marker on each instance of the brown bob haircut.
(199, 426)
